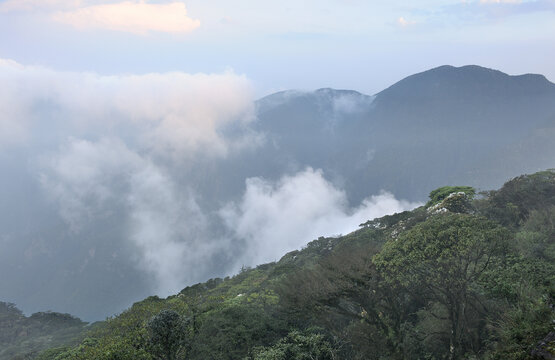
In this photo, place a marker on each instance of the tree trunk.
(454, 333)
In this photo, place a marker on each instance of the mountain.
(466, 119)
(470, 120)
(446, 126)
(460, 277)
(23, 337)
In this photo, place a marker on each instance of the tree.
(168, 333)
(231, 331)
(440, 194)
(446, 256)
(298, 346)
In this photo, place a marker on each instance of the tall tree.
(168, 334)
(446, 255)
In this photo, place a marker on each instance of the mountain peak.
(470, 80)
(320, 97)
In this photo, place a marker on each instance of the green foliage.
(440, 194)
(52, 353)
(537, 235)
(444, 248)
(512, 204)
(24, 337)
(476, 280)
(231, 332)
(297, 346)
(445, 258)
(168, 334)
(112, 348)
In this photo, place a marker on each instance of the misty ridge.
(121, 187)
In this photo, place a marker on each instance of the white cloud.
(105, 179)
(131, 16)
(92, 180)
(121, 147)
(14, 115)
(173, 113)
(117, 149)
(351, 103)
(85, 177)
(402, 21)
(168, 227)
(274, 218)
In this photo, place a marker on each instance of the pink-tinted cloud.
(404, 22)
(131, 16)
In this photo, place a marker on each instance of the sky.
(351, 44)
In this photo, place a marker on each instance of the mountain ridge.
(464, 71)
(338, 290)
(481, 75)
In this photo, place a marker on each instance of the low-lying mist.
(108, 191)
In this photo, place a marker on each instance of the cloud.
(118, 149)
(402, 21)
(351, 103)
(161, 219)
(137, 155)
(274, 218)
(169, 229)
(171, 113)
(131, 16)
(87, 178)
(15, 115)
(95, 180)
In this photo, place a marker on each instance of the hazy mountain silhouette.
(445, 125)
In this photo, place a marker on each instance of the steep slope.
(391, 281)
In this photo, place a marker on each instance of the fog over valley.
(132, 185)
(115, 183)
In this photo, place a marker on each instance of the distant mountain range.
(446, 126)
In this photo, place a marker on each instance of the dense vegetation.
(23, 337)
(461, 277)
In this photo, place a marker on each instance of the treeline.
(465, 276)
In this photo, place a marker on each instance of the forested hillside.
(23, 337)
(465, 276)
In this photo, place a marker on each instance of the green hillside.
(466, 276)
(23, 337)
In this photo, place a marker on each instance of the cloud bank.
(137, 16)
(176, 113)
(106, 147)
(276, 217)
(131, 155)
